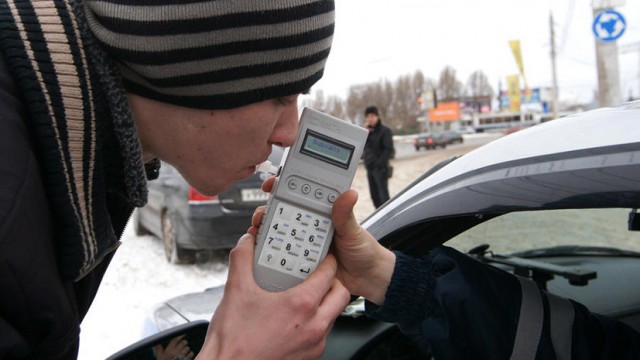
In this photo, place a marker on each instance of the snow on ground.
(138, 278)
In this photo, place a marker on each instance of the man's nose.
(286, 129)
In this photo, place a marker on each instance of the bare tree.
(396, 101)
(378, 94)
(335, 107)
(478, 85)
(355, 103)
(449, 87)
(332, 105)
(406, 109)
(317, 101)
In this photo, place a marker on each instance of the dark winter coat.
(70, 175)
(378, 148)
(455, 307)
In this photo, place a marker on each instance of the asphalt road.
(405, 149)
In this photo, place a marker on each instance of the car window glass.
(520, 231)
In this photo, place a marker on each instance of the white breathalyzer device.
(296, 229)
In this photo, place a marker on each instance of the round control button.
(332, 198)
(292, 184)
(319, 193)
(306, 188)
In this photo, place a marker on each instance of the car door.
(160, 190)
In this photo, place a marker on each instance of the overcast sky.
(376, 39)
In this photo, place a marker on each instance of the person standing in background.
(377, 153)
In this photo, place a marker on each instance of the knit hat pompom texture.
(215, 54)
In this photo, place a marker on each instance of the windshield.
(521, 231)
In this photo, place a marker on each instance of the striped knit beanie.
(215, 54)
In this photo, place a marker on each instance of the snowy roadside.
(138, 278)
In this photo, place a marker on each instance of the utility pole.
(554, 76)
(607, 61)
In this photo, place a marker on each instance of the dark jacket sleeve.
(455, 307)
(38, 319)
(386, 148)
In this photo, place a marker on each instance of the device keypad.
(295, 240)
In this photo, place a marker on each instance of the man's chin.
(216, 189)
(212, 190)
(248, 172)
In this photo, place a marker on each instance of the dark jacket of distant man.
(377, 154)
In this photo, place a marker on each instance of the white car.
(556, 202)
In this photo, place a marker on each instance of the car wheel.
(172, 250)
(138, 228)
(417, 148)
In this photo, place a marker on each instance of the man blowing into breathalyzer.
(92, 95)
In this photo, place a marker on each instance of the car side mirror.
(167, 344)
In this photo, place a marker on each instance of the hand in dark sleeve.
(457, 308)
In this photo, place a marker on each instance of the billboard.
(445, 111)
(540, 96)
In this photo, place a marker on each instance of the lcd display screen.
(327, 149)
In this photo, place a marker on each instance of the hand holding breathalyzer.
(252, 323)
(296, 230)
(364, 266)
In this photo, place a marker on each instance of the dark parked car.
(451, 137)
(188, 222)
(429, 141)
(559, 209)
(439, 139)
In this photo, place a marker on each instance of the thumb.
(241, 257)
(344, 220)
(246, 243)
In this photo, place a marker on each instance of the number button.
(295, 240)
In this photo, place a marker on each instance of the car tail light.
(196, 198)
(430, 141)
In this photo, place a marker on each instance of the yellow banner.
(513, 87)
(517, 54)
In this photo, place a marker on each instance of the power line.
(567, 25)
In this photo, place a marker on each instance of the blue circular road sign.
(609, 25)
